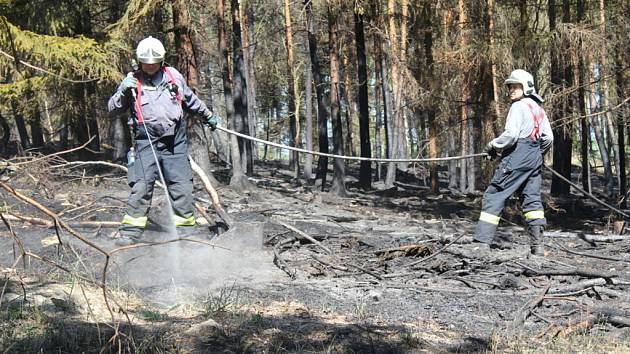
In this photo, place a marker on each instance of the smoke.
(172, 273)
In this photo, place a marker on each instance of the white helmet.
(150, 51)
(520, 76)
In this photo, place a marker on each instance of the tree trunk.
(621, 127)
(249, 54)
(36, 130)
(238, 180)
(425, 31)
(293, 92)
(347, 91)
(187, 66)
(378, 93)
(308, 123)
(338, 182)
(466, 178)
(397, 120)
(562, 133)
(580, 82)
(6, 133)
(308, 112)
(365, 173)
(381, 89)
(605, 93)
(322, 113)
(240, 90)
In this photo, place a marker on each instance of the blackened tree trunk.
(581, 82)
(238, 180)
(6, 133)
(322, 112)
(621, 127)
(365, 172)
(187, 65)
(308, 119)
(25, 140)
(562, 132)
(36, 129)
(338, 183)
(240, 90)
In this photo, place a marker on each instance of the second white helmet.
(520, 76)
(150, 51)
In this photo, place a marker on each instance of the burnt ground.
(381, 271)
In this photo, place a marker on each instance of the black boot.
(129, 235)
(537, 246)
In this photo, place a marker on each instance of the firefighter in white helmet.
(157, 97)
(526, 138)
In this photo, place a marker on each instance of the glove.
(128, 84)
(490, 151)
(212, 120)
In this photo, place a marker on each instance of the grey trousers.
(519, 171)
(172, 156)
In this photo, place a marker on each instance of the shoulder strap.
(138, 101)
(173, 82)
(538, 116)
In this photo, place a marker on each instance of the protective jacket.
(526, 138)
(160, 102)
(161, 106)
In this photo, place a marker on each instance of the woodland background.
(387, 79)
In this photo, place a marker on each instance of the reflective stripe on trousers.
(518, 171)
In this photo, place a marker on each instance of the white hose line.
(434, 159)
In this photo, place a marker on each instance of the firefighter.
(527, 137)
(157, 96)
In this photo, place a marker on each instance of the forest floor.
(382, 271)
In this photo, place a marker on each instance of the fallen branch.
(586, 237)
(591, 255)
(579, 286)
(586, 273)
(526, 310)
(47, 223)
(594, 198)
(303, 234)
(216, 204)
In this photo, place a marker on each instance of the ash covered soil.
(381, 271)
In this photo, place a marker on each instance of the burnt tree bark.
(238, 180)
(562, 132)
(308, 119)
(365, 172)
(293, 91)
(322, 112)
(240, 90)
(187, 66)
(338, 183)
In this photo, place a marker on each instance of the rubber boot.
(129, 235)
(537, 246)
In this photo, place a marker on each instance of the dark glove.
(212, 120)
(128, 84)
(490, 151)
